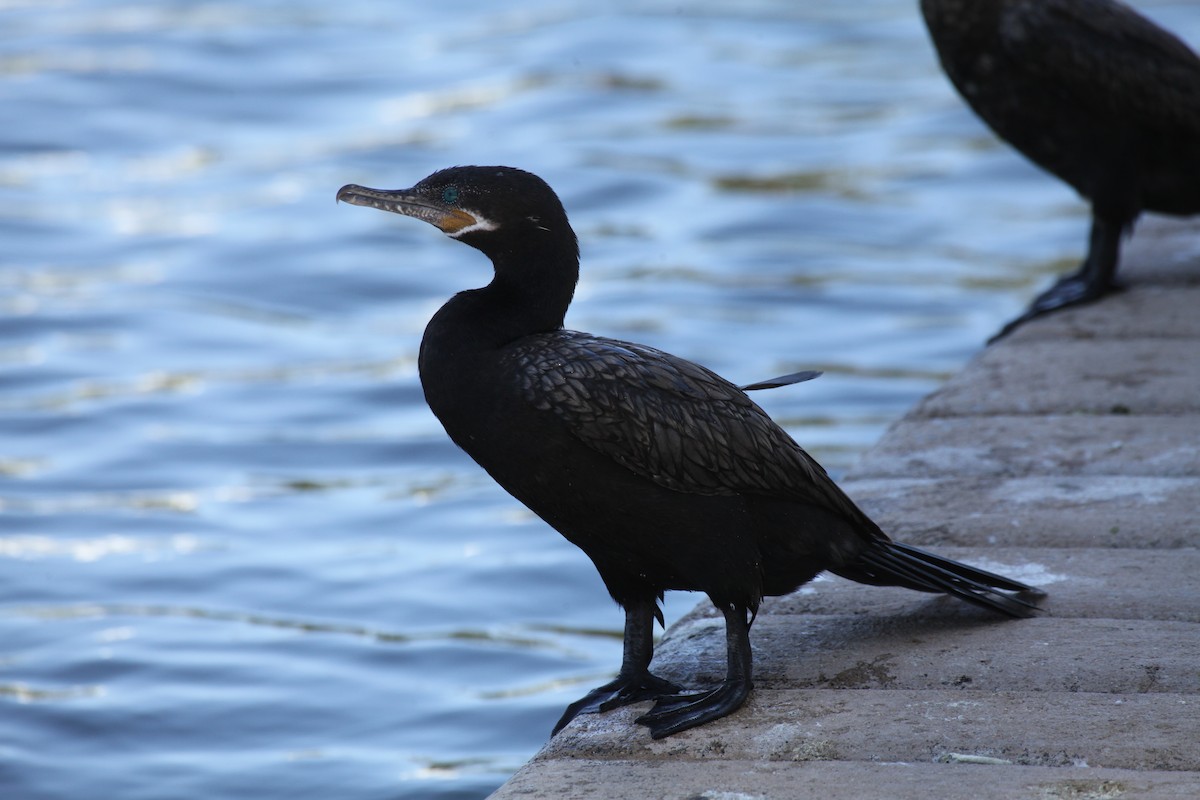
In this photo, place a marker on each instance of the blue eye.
(450, 195)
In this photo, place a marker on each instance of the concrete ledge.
(1078, 376)
(1143, 731)
(754, 779)
(920, 653)
(1050, 445)
(1038, 511)
(1142, 311)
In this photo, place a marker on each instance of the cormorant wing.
(1104, 56)
(668, 419)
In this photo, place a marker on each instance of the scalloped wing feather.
(668, 419)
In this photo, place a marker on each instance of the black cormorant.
(665, 474)
(1092, 92)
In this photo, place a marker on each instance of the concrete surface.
(1068, 456)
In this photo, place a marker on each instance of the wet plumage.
(664, 473)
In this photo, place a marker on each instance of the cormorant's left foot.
(1070, 290)
(675, 713)
(624, 690)
(1095, 278)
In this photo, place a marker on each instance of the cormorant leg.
(1099, 270)
(634, 681)
(677, 713)
(1091, 281)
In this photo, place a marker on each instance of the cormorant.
(1092, 92)
(665, 474)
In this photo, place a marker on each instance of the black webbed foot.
(634, 682)
(1094, 279)
(1070, 290)
(614, 694)
(678, 712)
(675, 713)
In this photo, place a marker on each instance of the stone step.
(721, 779)
(1149, 731)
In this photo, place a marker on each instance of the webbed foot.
(1070, 290)
(675, 713)
(614, 694)
(1094, 279)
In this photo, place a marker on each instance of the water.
(238, 557)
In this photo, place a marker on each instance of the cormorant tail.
(894, 564)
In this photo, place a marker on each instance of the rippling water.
(238, 557)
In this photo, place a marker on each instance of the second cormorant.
(1092, 92)
(664, 473)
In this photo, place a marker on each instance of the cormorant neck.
(530, 292)
(535, 282)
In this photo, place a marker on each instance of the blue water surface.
(238, 556)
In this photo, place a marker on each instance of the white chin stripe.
(482, 223)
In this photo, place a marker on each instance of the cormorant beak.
(407, 202)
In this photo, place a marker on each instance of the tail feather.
(895, 564)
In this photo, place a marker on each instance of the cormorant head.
(485, 207)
